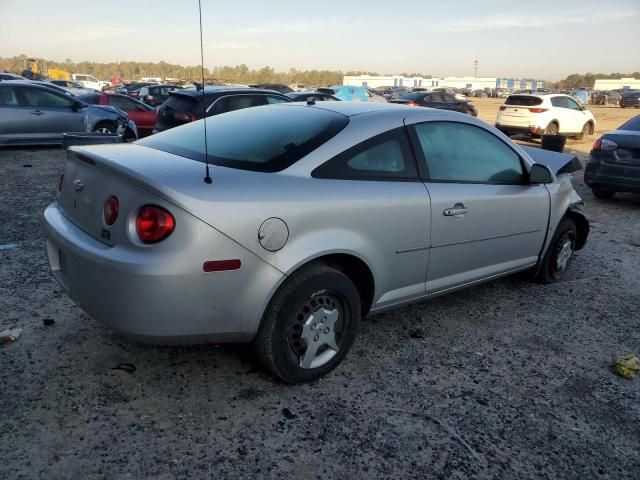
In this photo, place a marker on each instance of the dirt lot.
(506, 380)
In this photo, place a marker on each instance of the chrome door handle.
(458, 210)
(37, 112)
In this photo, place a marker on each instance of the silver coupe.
(310, 217)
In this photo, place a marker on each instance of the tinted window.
(89, 98)
(44, 99)
(265, 139)
(121, 102)
(179, 103)
(523, 100)
(458, 152)
(561, 102)
(272, 99)
(236, 102)
(437, 98)
(384, 157)
(8, 96)
(633, 124)
(413, 96)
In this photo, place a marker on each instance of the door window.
(8, 97)
(437, 98)
(272, 99)
(560, 102)
(121, 103)
(236, 102)
(384, 157)
(45, 99)
(572, 104)
(459, 152)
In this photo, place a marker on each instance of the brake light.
(154, 224)
(597, 145)
(60, 181)
(184, 116)
(221, 265)
(503, 108)
(110, 210)
(412, 103)
(537, 110)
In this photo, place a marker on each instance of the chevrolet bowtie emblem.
(78, 185)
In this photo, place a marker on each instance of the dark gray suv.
(31, 114)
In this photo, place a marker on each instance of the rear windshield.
(633, 124)
(264, 139)
(632, 94)
(413, 95)
(523, 100)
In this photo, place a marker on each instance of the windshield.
(633, 124)
(264, 139)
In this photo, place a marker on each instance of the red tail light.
(503, 108)
(154, 224)
(110, 210)
(221, 265)
(597, 145)
(184, 116)
(60, 181)
(412, 104)
(537, 110)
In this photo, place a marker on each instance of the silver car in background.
(314, 216)
(39, 113)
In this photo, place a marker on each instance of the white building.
(472, 83)
(612, 84)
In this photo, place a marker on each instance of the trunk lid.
(628, 147)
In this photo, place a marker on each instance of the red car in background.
(141, 114)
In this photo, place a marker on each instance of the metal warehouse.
(473, 83)
(615, 84)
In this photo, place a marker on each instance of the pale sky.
(540, 39)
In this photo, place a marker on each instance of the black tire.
(603, 194)
(105, 127)
(280, 343)
(557, 259)
(552, 129)
(586, 131)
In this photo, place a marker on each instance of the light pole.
(475, 69)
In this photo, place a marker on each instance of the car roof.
(192, 92)
(351, 109)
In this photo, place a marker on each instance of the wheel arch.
(582, 225)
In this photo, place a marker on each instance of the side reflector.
(221, 265)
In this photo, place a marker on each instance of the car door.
(563, 114)
(15, 116)
(52, 113)
(378, 180)
(143, 116)
(486, 219)
(577, 115)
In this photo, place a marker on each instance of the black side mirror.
(540, 174)
(76, 105)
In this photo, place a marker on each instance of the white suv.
(549, 114)
(89, 81)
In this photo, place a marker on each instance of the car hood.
(110, 109)
(557, 162)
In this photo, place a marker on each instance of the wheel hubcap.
(564, 255)
(316, 331)
(103, 130)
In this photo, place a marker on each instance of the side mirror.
(540, 174)
(76, 105)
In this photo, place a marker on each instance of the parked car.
(607, 97)
(450, 91)
(34, 114)
(440, 100)
(89, 81)
(132, 89)
(11, 76)
(614, 161)
(72, 87)
(351, 93)
(142, 115)
(278, 87)
(631, 99)
(154, 95)
(550, 114)
(317, 96)
(314, 217)
(188, 105)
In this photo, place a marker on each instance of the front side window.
(121, 103)
(384, 157)
(572, 104)
(459, 152)
(8, 97)
(44, 99)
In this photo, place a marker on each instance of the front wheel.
(310, 324)
(558, 256)
(105, 128)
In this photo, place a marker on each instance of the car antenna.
(207, 177)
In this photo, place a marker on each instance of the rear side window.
(523, 100)
(235, 102)
(384, 157)
(562, 102)
(263, 139)
(8, 97)
(90, 98)
(179, 103)
(463, 153)
(121, 102)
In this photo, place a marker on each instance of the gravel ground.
(506, 380)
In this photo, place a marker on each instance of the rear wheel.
(557, 259)
(603, 194)
(587, 130)
(552, 129)
(310, 324)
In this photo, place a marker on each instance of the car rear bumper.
(618, 178)
(512, 130)
(147, 299)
